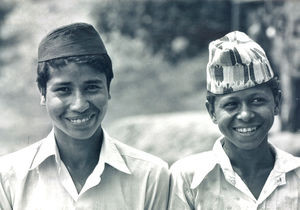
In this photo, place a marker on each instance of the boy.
(243, 170)
(79, 166)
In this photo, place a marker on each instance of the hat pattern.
(236, 62)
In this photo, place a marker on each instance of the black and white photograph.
(150, 104)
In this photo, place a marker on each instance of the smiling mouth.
(246, 131)
(80, 120)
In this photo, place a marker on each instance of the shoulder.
(297, 171)
(285, 161)
(296, 160)
(133, 155)
(192, 163)
(19, 161)
(188, 172)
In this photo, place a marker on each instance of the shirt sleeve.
(157, 189)
(180, 197)
(4, 201)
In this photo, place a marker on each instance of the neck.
(78, 153)
(250, 160)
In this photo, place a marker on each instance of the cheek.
(223, 116)
(224, 120)
(267, 112)
(54, 106)
(269, 115)
(99, 101)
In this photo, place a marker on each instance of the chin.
(250, 145)
(82, 135)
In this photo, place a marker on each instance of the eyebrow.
(62, 84)
(93, 81)
(70, 83)
(249, 96)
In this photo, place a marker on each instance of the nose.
(79, 103)
(245, 114)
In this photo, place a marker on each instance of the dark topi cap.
(71, 40)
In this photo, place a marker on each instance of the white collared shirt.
(208, 181)
(35, 178)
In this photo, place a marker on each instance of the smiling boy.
(78, 165)
(243, 170)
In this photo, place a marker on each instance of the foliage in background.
(160, 52)
(176, 29)
(146, 84)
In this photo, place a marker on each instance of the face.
(245, 117)
(76, 100)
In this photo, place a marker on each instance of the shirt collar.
(109, 153)
(284, 162)
(46, 149)
(212, 158)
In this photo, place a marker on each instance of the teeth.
(77, 121)
(245, 130)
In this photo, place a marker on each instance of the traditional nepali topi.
(235, 63)
(71, 40)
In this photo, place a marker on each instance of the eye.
(258, 100)
(63, 90)
(93, 88)
(230, 105)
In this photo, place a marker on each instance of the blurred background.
(159, 50)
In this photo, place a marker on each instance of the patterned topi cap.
(71, 40)
(235, 63)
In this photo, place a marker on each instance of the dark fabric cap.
(71, 40)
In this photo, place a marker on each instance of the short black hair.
(273, 83)
(101, 63)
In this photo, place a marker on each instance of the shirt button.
(232, 181)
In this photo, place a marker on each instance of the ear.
(43, 101)
(211, 111)
(277, 100)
